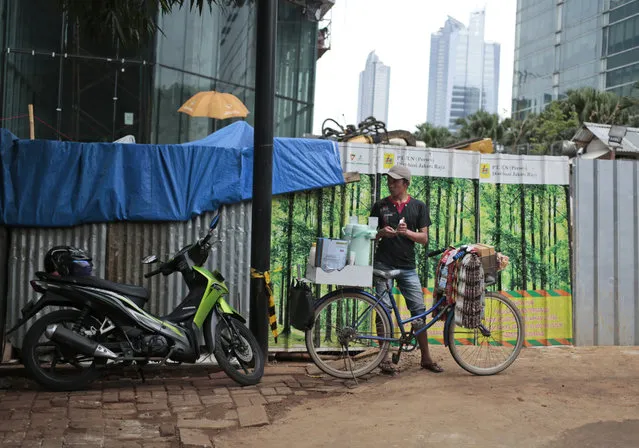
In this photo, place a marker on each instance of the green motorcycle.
(104, 324)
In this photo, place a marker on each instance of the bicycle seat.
(388, 275)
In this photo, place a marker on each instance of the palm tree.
(481, 124)
(434, 136)
(560, 119)
(596, 106)
(132, 21)
(554, 124)
(517, 133)
(631, 106)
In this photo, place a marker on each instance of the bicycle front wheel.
(344, 340)
(493, 347)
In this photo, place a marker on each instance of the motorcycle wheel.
(238, 353)
(54, 366)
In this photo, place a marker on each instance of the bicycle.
(358, 351)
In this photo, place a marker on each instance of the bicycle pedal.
(395, 358)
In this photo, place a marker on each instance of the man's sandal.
(433, 367)
(388, 368)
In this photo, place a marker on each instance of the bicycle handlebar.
(435, 253)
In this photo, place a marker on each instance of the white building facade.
(374, 87)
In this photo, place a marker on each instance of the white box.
(351, 275)
(331, 253)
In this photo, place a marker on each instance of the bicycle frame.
(432, 322)
(401, 322)
(395, 309)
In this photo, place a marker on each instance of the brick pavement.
(162, 412)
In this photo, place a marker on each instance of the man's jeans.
(410, 287)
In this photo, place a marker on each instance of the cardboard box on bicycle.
(350, 275)
(488, 258)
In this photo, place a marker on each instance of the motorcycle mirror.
(150, 259)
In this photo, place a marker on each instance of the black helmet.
(67, 260)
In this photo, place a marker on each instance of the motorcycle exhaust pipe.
(82, 344)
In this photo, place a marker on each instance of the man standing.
(402, 222)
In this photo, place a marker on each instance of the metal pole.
(476, 188)
(4, 60)
(263, 166)
(115, 91)
(63, 47)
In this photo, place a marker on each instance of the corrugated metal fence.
(128, 243)
(117, 249)
(606, 255)
(27, 249)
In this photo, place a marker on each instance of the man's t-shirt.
(399, 252)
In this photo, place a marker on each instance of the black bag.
(302, 305)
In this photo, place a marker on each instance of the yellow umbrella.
(214, 104)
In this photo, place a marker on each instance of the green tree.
(481, 124)
(561, 119)
(555, 123)
(434, 136)
(598, 107)
(517, 132)
(132, 21)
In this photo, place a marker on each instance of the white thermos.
(311, 255)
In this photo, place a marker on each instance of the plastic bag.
(302, 303)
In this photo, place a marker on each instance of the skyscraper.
(570, 44)
(463, 72)
(374, 86)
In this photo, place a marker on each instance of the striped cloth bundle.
(469, 291)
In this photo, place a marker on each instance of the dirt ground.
(564, 397)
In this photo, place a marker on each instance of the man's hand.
(387, 232)
(420, 237)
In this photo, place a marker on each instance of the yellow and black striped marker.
(271, 300)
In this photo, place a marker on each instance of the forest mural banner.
(519, 204)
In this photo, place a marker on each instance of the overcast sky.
(399, 32)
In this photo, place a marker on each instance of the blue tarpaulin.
(56, 184)
(237, 135)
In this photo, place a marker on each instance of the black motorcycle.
(104, 324)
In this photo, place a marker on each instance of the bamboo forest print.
(528, 223)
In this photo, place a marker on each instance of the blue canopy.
(55, 184)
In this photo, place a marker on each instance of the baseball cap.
(399, 172)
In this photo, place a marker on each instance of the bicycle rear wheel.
(482, 352)
(343, 341)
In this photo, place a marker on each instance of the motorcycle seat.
(136, 292)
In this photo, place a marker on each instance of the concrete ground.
(550, 398)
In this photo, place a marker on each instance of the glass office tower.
(85, 97)
(568, 44)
